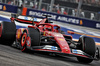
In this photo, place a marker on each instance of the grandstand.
(89, 8)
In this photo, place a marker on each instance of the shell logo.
(81, 22)
(4, 8)
(19, 32)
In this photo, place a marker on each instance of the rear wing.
(24, 21)
(27, 18)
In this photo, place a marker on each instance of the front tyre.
(84, 60)
(34, 34)
(87, 45)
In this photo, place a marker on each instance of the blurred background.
(88, 9)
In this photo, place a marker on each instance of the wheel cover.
(28, 41)
(23, 41)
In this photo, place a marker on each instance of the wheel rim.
(97, 56)
(23, 42)
(28, 41)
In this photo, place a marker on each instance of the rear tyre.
(88, 46)
(7, 33)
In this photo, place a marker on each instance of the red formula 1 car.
(46, 37)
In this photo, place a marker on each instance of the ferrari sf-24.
(44, 36)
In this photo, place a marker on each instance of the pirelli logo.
(0, 6)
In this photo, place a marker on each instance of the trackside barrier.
(24, 11)
(8, 8)
(57, 17)
(64, 18)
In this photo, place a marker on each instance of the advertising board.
(64, 18)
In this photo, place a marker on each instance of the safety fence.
(54, 16)
(8, 8)
(64, 18)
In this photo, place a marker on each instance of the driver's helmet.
(47, 28)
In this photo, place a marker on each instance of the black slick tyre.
(84, 60)
(7, 33)
(88, 46)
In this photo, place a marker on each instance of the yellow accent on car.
(22, 29)
(66, 50)
(61, 39)
(44, 34)
(18, 34)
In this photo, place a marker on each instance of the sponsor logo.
(81, 22)
(69, 20)
(26, 18)
(97, 25)
(18, 34)
(4, 8)
(77, 51)
(53, 48)
(35, 19)
(39, 14)
(56, 17)
(0, 6)
(50, 47)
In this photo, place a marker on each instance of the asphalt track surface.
(10, 56)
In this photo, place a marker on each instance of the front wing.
(56, 50)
